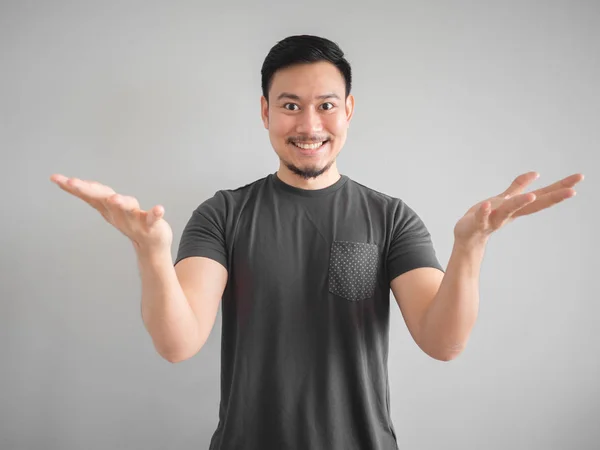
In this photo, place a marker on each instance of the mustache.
(305, 139)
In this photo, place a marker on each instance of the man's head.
(306, 101)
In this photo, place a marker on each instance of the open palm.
(489, 215)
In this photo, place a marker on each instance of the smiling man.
(310, 255)
(302, 262)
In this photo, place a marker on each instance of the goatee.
(309, 172)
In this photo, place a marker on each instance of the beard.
(308, 172)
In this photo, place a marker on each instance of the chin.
(308, 171)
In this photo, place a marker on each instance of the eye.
(289, 104)
(330, 104)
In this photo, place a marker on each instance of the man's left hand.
(490, 215)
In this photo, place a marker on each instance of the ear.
(264, 111)
(349, 108)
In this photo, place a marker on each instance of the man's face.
(307, 107)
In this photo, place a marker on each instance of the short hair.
(303, 49)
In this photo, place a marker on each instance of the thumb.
(154, 215)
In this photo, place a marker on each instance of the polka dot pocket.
(353, 269)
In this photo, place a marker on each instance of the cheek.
(280, 125)
(337, 123)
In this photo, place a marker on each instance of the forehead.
(308, 80)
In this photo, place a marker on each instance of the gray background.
(161, 101)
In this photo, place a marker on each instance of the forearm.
(166, 313)
(449, 319)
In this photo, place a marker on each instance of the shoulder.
(248, 187)
(400, 214)
(387, 201)
(231, 198)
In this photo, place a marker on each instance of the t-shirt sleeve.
(204, 233)
(411, 246)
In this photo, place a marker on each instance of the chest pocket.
(353, 269)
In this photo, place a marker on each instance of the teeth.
(308, 146)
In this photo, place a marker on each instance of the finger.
(510, 207)
(93, 193)
(122, 208)
(128, 208)
(483, 212)
(84, 189)
(76, 187)
(124, 203)
(546, 201)
(567, 182)
(520, 183)
(154, 215)
(91, 189)
(63, 183)
(57, 178)
(513, 204)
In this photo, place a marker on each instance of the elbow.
(178, 355)
(444, 358)
(444, 353)
(450, 354)
(438, 349)
(174, 358)
(179, 350)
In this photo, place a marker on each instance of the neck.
(326, 179)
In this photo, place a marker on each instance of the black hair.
(303, 49)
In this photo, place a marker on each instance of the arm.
(179, 305)
(415, 273)
(180, 318)
(440, 309)
(449, 319)
(441, 312)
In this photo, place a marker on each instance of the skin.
(488, 216)
(147, 230)
(297, 112)
(439, 309)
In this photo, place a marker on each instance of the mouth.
(310, 148)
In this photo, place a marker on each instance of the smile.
(309, 146)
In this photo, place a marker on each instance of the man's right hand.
(147, 230)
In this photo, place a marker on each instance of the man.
(303, 261)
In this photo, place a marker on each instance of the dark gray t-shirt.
(305, 310)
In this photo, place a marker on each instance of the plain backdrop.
(160, 100)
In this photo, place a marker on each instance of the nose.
(309, 122)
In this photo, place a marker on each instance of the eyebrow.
(295, 97)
